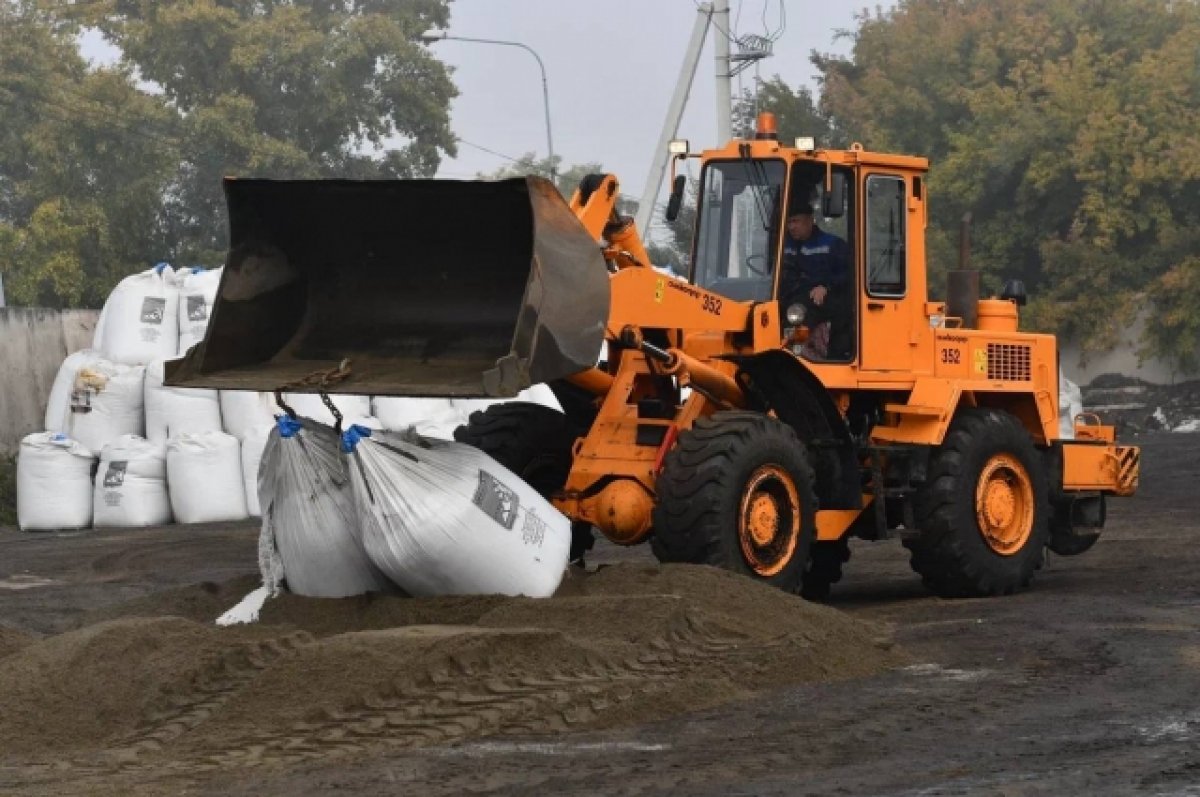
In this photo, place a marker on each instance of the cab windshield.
(737, 234)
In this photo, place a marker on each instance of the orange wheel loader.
(697, 415)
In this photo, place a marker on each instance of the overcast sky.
(611, 68)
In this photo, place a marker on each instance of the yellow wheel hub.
(1004, 504)
(769, 522)
(764, 519)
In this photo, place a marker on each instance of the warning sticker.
(981, 361)
(499, 502)
(660, 287)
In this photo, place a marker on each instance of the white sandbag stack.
(197, 294)
(429, 417)
(537, 394)
(131, 484)
(309, 405)
(310, 529)
(171, 411)
(1070, 404)
(58, 406)
(204, 477)
(438, 418)
(54, 483)
(452, 520)
(139, 322)
(244, 411)
(253, 445)
(105, 403)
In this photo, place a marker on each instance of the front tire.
(737, 492)
(983, 514)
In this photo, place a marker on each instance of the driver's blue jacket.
(823, 259)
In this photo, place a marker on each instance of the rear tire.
(535, 442)
(824, 568)
(737, 492)
(983, 514)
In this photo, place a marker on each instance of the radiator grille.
(1008, 362)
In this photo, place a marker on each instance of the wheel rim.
(1004, 504)
(769, 524)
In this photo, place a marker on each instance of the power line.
(482, 148)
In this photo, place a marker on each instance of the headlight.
(795, 314)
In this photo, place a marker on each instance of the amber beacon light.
(765, 127)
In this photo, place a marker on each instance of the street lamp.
(436, 36)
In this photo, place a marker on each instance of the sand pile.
(12, 640)
(323, 678)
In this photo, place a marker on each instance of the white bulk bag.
(140, 318)
(244, 411)
(252, 453)
(105, 403)
(131, 484)
(54, 483)
(58, 406)
(537, 394)
(204, 477)
(429, 417)
(453, 521)
(309, 405)
(438, 418)
(176, 410)
(197, 294)
(310, 533)
(1070, 404)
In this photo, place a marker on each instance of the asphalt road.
(1089, 683)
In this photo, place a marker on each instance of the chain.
(319, 379)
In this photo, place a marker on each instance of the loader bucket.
(425, 288)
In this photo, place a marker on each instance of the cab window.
(738, 230)
(886, 206)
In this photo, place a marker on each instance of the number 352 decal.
(712, 304)
(951, 356)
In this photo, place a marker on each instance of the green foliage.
(566, 180)
(1071, 131)
(102, 175)
(796, 113)
(1173, 325)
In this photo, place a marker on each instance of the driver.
(816, 271)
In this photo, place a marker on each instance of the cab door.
(884, 331)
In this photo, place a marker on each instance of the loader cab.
(743, 251)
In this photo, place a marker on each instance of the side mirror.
(676, 199)
(833, 203)
(1014, 290)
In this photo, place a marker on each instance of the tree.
(284, 89)
(1071, 131)
(81, 167)
(673, 253)
(796, 112)
(565, 180)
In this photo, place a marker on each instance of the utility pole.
(724, 73)
(683, 87)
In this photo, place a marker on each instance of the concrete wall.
(1121, 359)
(33, 343)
